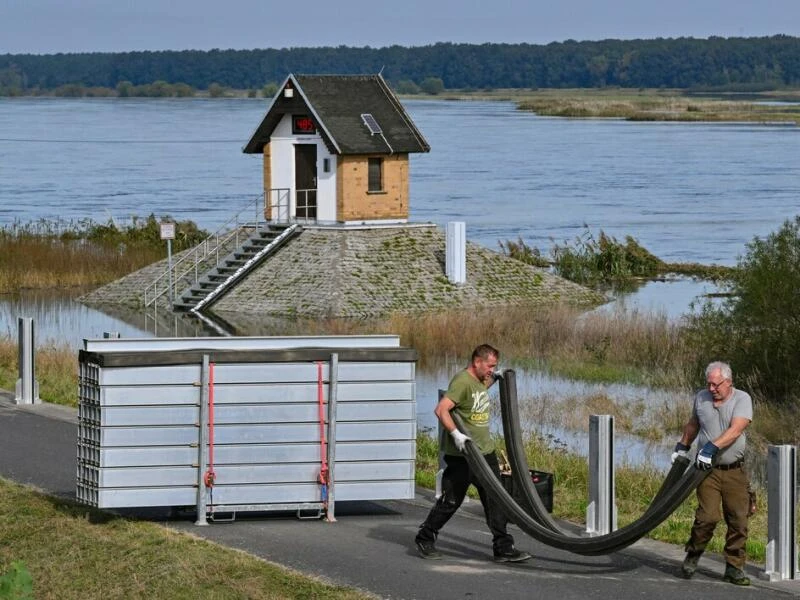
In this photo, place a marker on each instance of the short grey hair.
(723, 368)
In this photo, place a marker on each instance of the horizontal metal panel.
(245, 454)
(240, 475)
(295, 355)
(240, 343)
(307, 373)
(172, 375)
(266, 494)
(239, 434)
(254, 393)
(144, 497)
(383, 490)
(123, 416)
(244, 373)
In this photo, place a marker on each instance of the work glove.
(681, 450)
(706, 456)
(460, 439)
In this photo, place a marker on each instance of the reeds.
(651, 106)
(58, 254)
(56, 371)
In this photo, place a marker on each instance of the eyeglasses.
(715, 386)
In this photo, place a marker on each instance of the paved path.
(370, 546)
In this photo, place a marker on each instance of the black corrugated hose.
(677, 486)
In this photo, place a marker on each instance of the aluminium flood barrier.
(268, 424)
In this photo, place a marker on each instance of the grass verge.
(74, 552)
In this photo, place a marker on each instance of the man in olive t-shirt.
(468, 395)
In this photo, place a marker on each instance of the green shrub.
(432, 86)
(757, 328)
(604, 260)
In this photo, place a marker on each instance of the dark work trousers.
(730, 490)
(456, 479)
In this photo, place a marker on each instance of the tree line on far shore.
(743, 64)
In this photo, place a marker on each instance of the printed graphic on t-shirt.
(480, 408)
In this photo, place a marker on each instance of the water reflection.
(59, 319)
(559, 409)
(545, 401)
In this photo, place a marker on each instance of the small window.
(375, 183)
(326, 165)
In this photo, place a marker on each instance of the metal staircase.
(232, 268)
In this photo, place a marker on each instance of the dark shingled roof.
(336, 103)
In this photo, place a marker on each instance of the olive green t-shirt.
(471, 399)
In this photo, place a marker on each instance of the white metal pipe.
(781, 556)
(27, 388)
(601, 514)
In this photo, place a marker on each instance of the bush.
(757, 328)
(604, 260)
(432, 86)
(406, 86)
(269, 90)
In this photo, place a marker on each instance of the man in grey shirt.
(720, 415)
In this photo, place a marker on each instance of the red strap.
(210, 476)
(323, 453)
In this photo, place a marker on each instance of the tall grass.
(56, 254)
(649, 106)
(56, 371)
(624, 347)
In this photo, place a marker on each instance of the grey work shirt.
(714, 421)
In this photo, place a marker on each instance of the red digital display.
(303, 124)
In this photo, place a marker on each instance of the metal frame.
(143, 435)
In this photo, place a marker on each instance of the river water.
(689, 192)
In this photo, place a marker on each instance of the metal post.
(601, 514)
(456, 252)
(169, 271)
(333, 382)
(781, 553)
(202, 451)
(27, 389)
(440, 438)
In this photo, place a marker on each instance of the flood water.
(689, 192)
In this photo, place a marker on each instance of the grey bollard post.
(781, 556)
(27, 389)
(601, 514)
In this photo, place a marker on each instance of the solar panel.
(371, 123)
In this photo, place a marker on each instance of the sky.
(51, 26)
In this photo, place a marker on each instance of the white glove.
(681, 450)
(460, 439)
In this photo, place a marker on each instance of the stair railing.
(188, 265)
